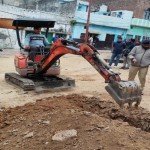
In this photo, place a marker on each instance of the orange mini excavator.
(46, 67)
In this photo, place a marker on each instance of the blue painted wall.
(101, 30)
(82, 7)
(101, 24)
(104, 20)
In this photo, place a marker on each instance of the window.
(82, 36)
(129, 36)
(147, 14)
(79, 8)
(137, 38)
(119, 14)
(146, 37)
(82, 7)
(113, 14)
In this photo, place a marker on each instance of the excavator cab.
(27, 76)
(22, 66)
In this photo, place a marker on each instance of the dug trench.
(99, 121)
(137, 117)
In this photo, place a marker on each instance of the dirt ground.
(87, 108)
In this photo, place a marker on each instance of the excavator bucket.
(125, 92)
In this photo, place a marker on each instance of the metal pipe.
(47, 29)
(18, 37)
(88, 21)
(102, 61)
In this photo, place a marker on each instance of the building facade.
(106, 25)
(71, 17)
(140, 8)
(8, 37)
(140, 29)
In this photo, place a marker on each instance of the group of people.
(136, 58)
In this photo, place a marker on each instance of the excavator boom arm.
(121, 91)
(88, 52)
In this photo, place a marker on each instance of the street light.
(88, 21)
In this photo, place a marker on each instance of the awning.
(94, 32)
(7, 23)
(33, 22)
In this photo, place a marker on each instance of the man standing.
(140, 61)
(118, 48)
(129, 47)
(91, 40)
(34, 41)
(95, 41)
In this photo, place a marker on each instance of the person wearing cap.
(118, 48)
(34, 41)
(140, 61)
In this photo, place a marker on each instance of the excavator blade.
(125, 92)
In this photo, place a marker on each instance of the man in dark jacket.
(129, 47)
(95, 41)
(118, 48)
(140, 61)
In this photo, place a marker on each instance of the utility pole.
(37, 5)
(25, 3)
(88, 22)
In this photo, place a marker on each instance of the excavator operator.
(34, 41)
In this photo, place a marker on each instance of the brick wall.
(137, 6)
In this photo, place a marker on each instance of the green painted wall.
(139, 31)
(49, 37)
(140, 22)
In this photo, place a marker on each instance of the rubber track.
(24, 83)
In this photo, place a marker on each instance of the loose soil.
(87, 108)
(99, 124)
